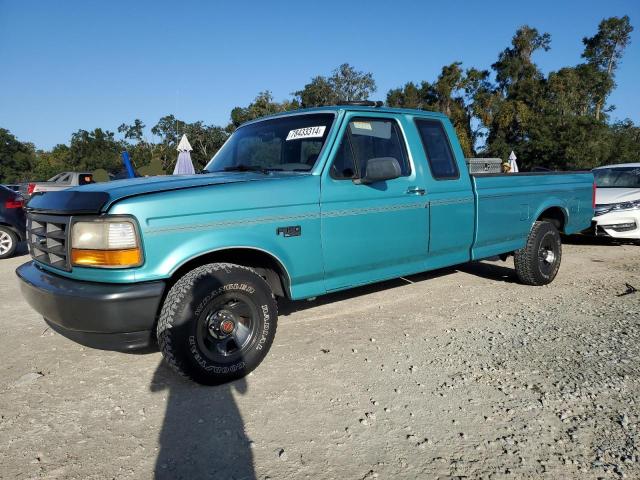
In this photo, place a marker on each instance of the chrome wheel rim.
(548, 256)
(5, 243)
(548, 253)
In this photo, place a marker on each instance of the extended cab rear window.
(437, 149)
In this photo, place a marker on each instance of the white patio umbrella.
(512, 162)
(184, 166)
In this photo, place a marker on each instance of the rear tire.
(217, 323)
(539, 261)
(8, 242)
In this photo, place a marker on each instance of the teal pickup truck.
(294, 205)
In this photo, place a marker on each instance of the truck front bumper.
(99, 315)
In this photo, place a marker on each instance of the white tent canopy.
(185, 146)
(512, 162)
(184, 165)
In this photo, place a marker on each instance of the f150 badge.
(293, 231)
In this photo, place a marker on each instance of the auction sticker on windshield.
(308, 132)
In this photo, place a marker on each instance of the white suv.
(617, 211)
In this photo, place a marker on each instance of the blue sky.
(86, 64)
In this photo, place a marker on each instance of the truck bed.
(507, 203)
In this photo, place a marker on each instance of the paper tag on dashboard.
(308, 132)
(362, 125)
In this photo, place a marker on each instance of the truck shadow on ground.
(490, 271)
(203, 433)
(598, 241)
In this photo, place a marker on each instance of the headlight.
(105, 242)
(616, 207)
(602, 209)
(627, 205)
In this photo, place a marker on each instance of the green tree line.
(561, 120)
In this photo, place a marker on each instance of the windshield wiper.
(251, 168)
(246, 168)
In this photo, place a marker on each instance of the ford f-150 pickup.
(294, 205)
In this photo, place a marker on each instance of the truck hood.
(98, 197)
(605, 196)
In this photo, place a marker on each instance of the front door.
(371, 231)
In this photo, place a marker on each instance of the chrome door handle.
(416, 191)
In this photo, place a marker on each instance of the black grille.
(48, 238)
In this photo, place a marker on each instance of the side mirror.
(380, 169)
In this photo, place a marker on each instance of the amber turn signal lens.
(130, 257)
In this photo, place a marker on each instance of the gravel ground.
(459, 373)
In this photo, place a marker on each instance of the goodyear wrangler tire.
(217, 323)
(539, 261)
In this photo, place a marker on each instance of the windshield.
(290, 143)
(618, 177)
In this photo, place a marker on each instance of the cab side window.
(437, 149)
(367, 138)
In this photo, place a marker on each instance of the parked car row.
(12, 202)
(62, 181)
(617, 210)
(12, 221)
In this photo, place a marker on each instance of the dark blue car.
(12, 221)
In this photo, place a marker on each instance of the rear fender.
(553, 202)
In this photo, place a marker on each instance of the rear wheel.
(217, 323)
(8, 242)
(539, 261)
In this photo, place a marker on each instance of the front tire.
(539, 261)
(8, 242)
(217, 323)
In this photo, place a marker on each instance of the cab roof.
(619, 165)
(352, 108)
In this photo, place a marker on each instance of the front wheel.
(217, 323)
(538, 262)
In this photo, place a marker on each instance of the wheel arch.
(19, 234)
(265, 263)
(557, 215)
